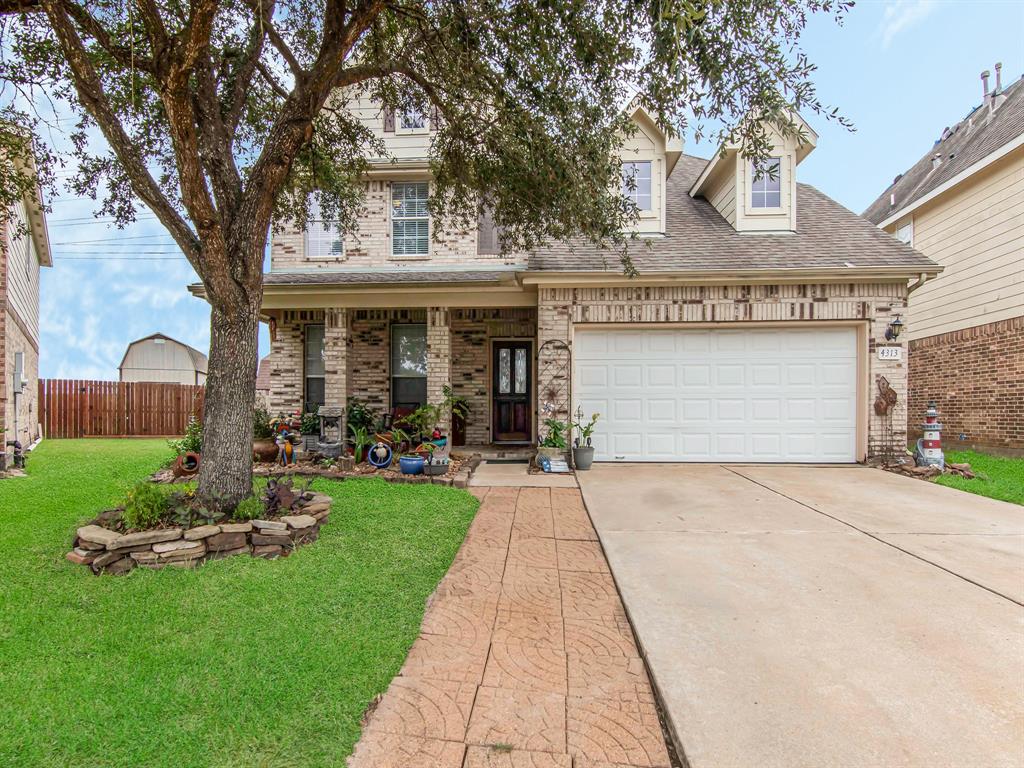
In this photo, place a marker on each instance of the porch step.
(492, 452)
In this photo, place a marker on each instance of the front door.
(511, 377)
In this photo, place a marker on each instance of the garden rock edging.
(107, 551)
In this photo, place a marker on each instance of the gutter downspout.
(921, 280)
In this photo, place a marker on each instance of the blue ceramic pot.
(411, 465)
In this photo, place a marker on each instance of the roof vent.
(898, 177)
(984, 86)
(946, 134)
(998, 97)
(892, 199)
(936, 161)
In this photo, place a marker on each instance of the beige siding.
(23, 274)
(148, 360)
(648, 144)
(781, 219)
(721, 193)
(976, 231)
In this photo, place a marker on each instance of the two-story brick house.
(24, 249)
(962, 204)
(752, 332)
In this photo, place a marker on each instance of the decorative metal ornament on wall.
(554, 363)
(884, 405)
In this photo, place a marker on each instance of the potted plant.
(411, 464)
(309, 427)
(458, 407)
(263, 446)
(583, 451)
(361, 442)
(553, 444)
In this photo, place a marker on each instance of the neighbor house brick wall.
(370, 246)
(976, 377)
(877, 303)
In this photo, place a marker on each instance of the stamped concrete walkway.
(526, 659)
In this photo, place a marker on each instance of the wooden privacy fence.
(74, 408)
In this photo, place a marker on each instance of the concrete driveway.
(821, 616)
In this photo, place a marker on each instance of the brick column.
(439, 357)
(336, 361)
(286, 389)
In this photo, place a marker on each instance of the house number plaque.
(890, 353)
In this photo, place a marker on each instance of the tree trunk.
(225, 475)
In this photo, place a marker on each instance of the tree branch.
(90, 92)
(123, 55)
(276, 40)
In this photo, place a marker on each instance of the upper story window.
(636, 183)
(412, 120)
(905, 232)
(323, 239)
(766, 188)
(410, 220)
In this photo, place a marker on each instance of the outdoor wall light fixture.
(892, 332)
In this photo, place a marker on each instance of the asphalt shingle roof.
(975, 137)
(698, 238)
(343, 277)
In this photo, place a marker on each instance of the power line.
(107, 239)
(121, 258)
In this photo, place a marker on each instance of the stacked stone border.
(107, 551)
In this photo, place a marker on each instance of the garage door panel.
(720, 395)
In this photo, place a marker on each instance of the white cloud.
(900, 15)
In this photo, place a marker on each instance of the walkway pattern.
(526, 659)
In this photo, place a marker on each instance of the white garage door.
(720, 395)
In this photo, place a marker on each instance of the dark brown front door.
(511, 384)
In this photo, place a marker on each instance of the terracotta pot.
(264, 450)
(186, 465)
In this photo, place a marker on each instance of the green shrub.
(310, 424)
(146, 505)
(249, 508)
(261, 429)
(192, 441)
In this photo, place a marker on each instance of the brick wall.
(976, 376)
(560, 308)
(370, 246)
(439, 356)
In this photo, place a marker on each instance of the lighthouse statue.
(929, 447)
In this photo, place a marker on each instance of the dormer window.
(636, 183)
(766, 188)
(323, 238)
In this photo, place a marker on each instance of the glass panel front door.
(512, 409)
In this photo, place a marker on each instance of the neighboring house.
(24, 248)
(751, 334)
(962, 205)
(263, 383)
(159, 358)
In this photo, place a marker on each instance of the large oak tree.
(225, 117)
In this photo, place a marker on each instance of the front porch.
(393, 360)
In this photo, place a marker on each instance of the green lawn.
(242, 662)
(998, 477)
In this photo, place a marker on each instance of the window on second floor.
(636, 183)
(905, 232)
(412, 119)
(766, 188)
(410, 220)
(323, 240)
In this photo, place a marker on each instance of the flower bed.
(107, 547)
(460, 470)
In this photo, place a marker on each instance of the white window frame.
(633, 194)
(395, 219)
(402, 114)
(319, 231)
(905, 231)
(756, 178)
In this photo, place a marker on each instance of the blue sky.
(901, 70)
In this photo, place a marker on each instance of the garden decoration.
(331, 443)
(263, 446)
(928, 451)
(411, 465)
(380, 455)
(285, 446)
(583, 451)
(186, 465)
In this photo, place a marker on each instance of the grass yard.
(998, 477)
(243, 662)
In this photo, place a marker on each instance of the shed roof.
(198, 358)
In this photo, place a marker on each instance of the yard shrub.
(248, 508)
(261, 429)
(145, 507)
(192, 441)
